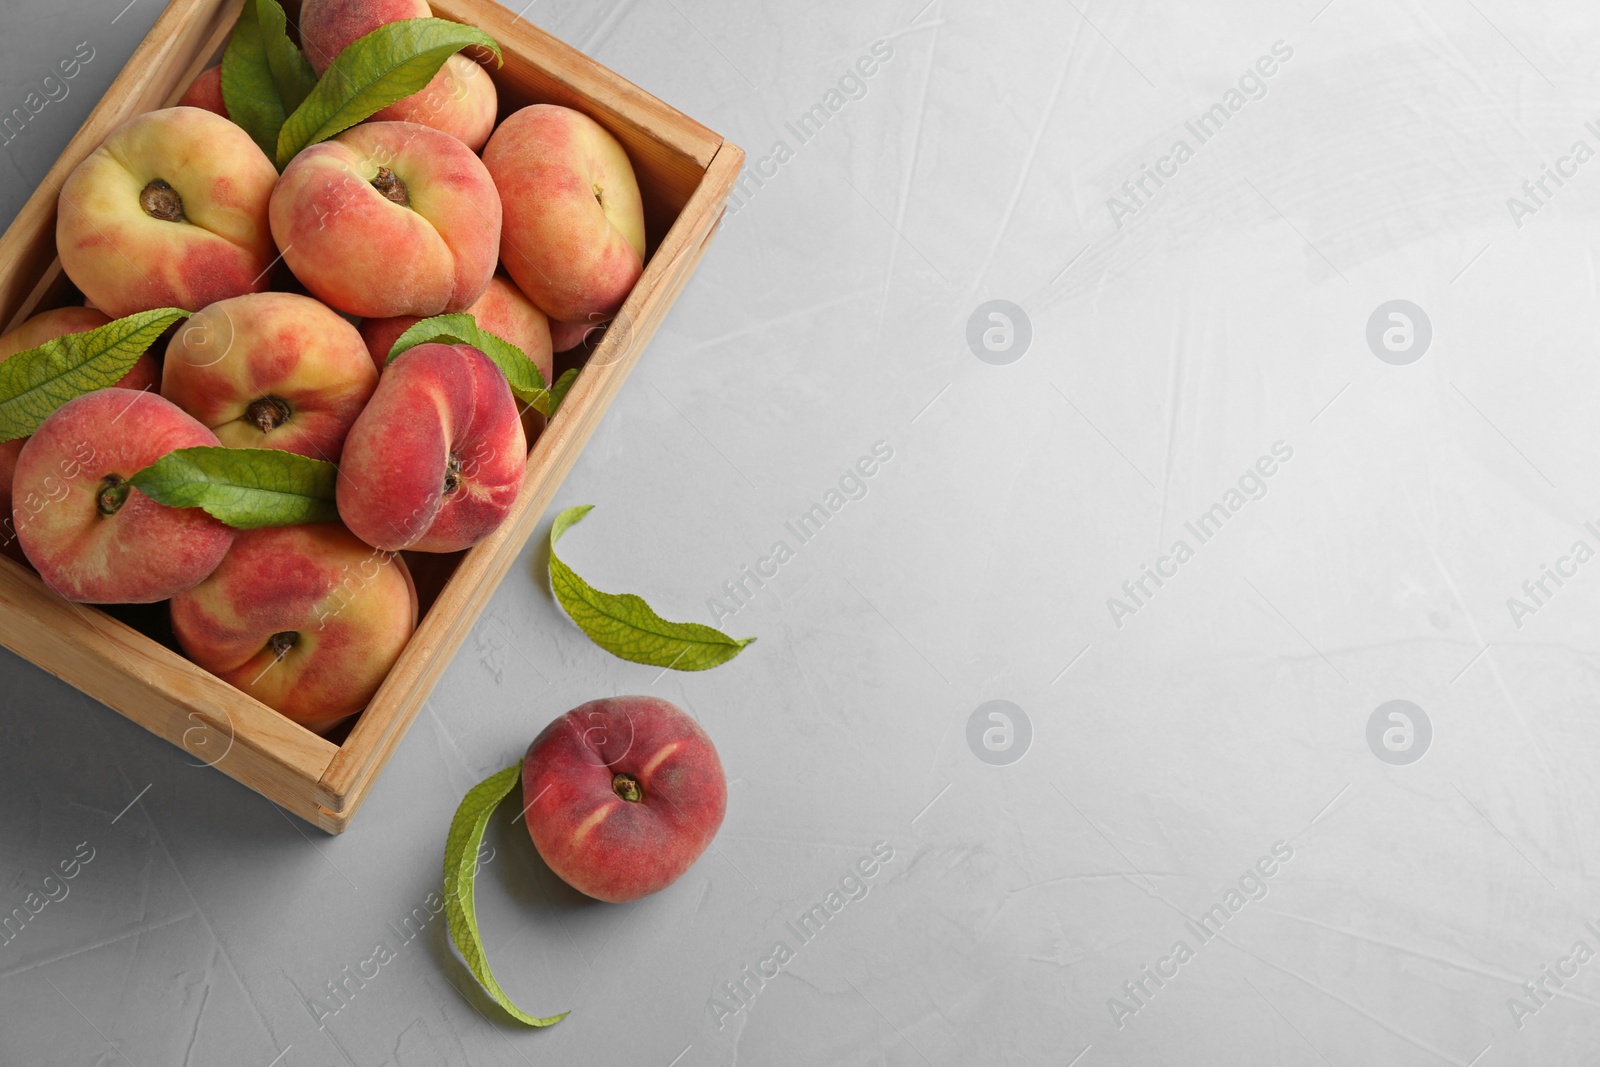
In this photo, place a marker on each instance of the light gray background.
(1169, 754)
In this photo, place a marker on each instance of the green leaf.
(388, 64)
(460, 876)
(625, 626)
(247, 488)
(264, 76)
(559, 391)
(522, 374)
(291, 71)
(248, 90)
(36, 382)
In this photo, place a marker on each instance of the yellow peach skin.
(573, 234)
(306, 619)
(389, 218)
(271, 370)
(170, 211)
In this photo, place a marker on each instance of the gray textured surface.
(1229, 712)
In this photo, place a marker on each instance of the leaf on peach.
(246, 488)
(264, 76)
(389, 64)
(460, 877)
(625, 626)
(522, 374)
(36, 382)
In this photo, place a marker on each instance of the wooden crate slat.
(160, 690)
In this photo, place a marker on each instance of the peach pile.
(297, 285)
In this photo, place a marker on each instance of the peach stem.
(113, 494)
(391, 187)
(161, 201)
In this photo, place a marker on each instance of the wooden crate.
(685, 173)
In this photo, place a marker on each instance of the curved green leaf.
(247, 488)
(460, 328)
(460, 876)
(248, 91)
(388, 64)
(36, 382)
(625, 626)
(291, 71)
(264, 76)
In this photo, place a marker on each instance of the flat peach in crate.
(129, 658)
